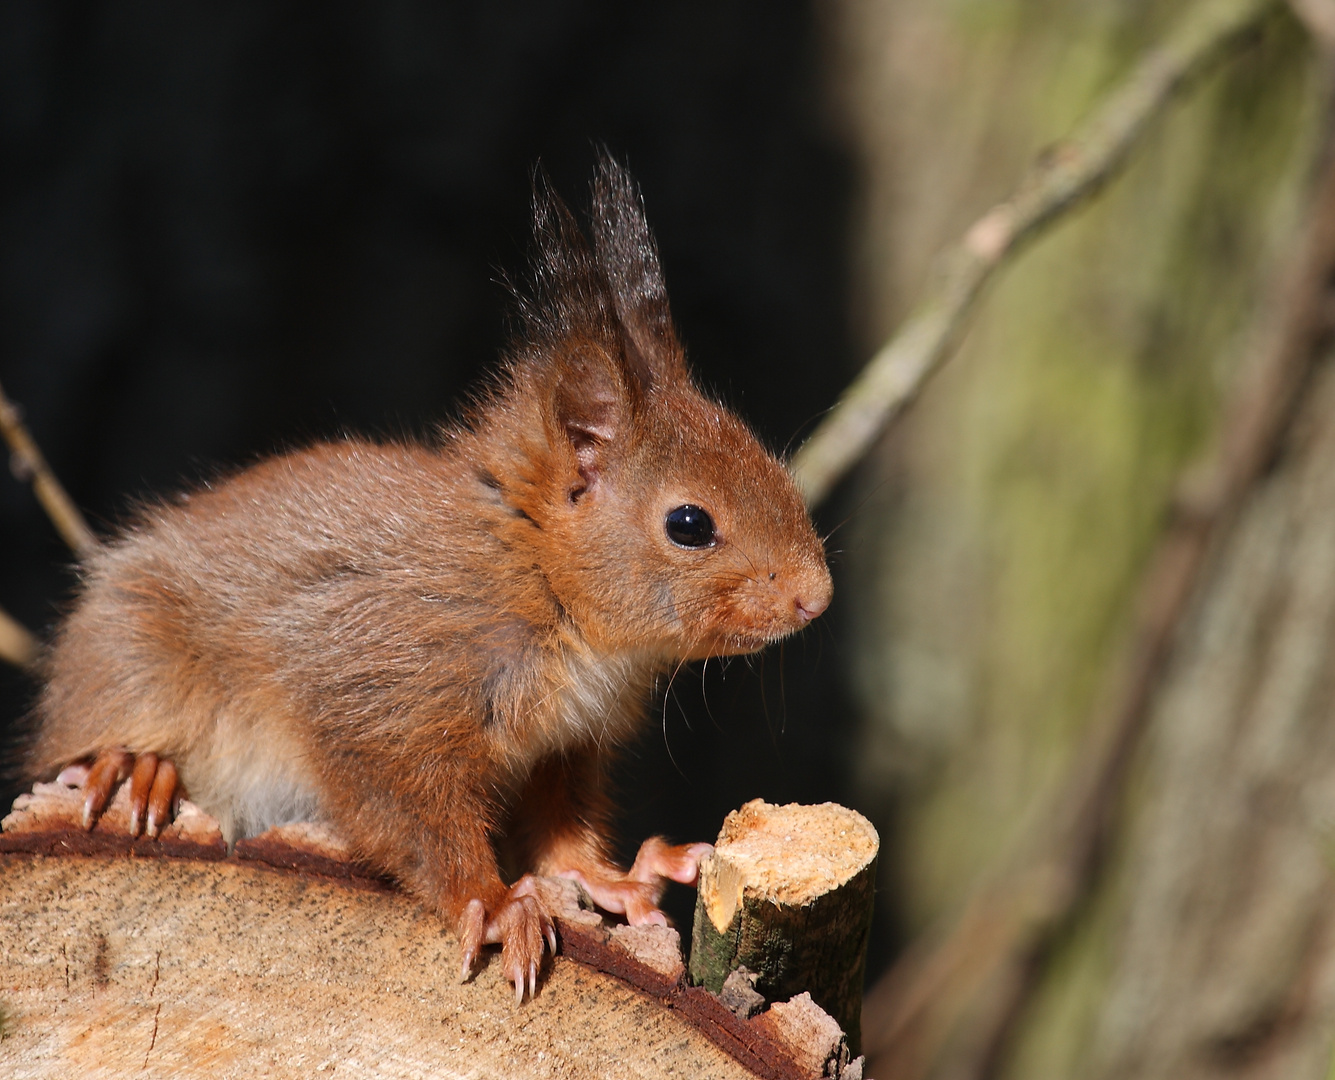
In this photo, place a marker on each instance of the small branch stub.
(788, 895)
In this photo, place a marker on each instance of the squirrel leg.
(561, 824)
(155, 787)
(454, 870)
(431, 828)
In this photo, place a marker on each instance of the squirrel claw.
(108, 769)
(163, 796)
(141, 784)
(472, 930)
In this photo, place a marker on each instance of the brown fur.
(424, 644)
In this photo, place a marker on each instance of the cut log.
(788, 895)
(122, 956)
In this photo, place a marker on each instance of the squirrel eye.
(690, 527)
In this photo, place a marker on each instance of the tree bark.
(1226, 966)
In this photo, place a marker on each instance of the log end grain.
(791, 855)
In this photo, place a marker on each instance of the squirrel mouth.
(739, 644)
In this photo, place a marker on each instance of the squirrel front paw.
(519, 924)
(636, 892)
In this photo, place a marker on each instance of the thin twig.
(28, 464)
(17, 645)
(1318, 16)
(1061, 179)
(1002, 933)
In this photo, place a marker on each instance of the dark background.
(229, 228)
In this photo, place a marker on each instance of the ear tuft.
(628, 256)
(569, 296)
(599, 332)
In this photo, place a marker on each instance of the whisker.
(755, 569)
(704, 688)
(858, 507)
(670, 693)
(809, 422)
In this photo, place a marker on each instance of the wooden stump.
(787, 895)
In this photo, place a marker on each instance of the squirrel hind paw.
(637, 900)
(155, 788)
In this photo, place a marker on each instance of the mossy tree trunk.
(1008, 518)
(1215, 937)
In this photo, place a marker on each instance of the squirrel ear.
(592, 406)
(628, 256)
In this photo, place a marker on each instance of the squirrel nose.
(810, 591)
(809, 608)
(813, 599)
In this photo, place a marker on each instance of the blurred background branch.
(1064, 175)
(27, 463)
(1318, 16)
(17, 645)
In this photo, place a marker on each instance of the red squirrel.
(434, 645)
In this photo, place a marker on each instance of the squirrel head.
(658, 519)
